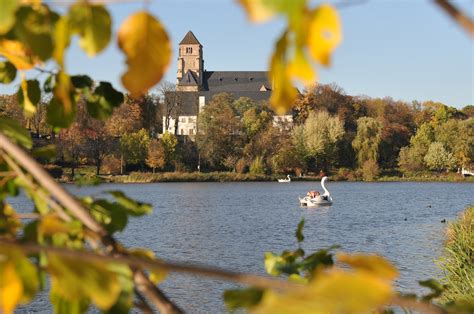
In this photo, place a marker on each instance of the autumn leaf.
(7, 14)
(334, 291)
(93, 24)
(11, 287)
(148, 49)
(62, 38)
(21, 57)
(325, 33)
(374, 264)
(263, 10)
(283, 93)
(83, 280)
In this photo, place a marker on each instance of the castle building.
(195, 86)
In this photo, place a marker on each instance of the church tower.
(190, 64)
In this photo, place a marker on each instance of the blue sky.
(405, 49)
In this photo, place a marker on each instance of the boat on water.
(314, 199)
(287, 180)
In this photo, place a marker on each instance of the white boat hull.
(316, 201)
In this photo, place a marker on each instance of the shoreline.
(165, 177)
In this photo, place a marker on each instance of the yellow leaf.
(283, 92)
(258, 10)
(28, 108)
(51, 224)
(374, 264)
(335, 291)
(62, 39)
(148, 49)
(91, 280)
(17, 54)
(325, 33)
(301, 68)
(157, 275)
(62, 92)
(11, 287)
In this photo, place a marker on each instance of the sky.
(405, 49)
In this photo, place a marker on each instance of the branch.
(158, 298)
(143, 263)
(463, 20)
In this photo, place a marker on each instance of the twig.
(28, 216)
(40, 193)
(462, 19)
(142, 263)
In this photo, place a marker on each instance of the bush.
(241, 166)
(457, 260)
(54, 170)
(257, 167)
(370, 170)
(111, 165)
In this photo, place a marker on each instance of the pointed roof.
(190, 39)
(189, 79)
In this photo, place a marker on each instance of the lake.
(231, 225)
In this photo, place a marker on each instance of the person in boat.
(313, 194)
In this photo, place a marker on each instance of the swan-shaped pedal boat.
(318, 200)
(287, 180)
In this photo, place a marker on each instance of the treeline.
(331, 132)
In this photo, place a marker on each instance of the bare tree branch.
(462, 19)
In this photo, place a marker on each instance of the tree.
(71, 143)
(438, 158)
(134, 147)
(318, 137)
(367, 140)
(156, 155)
(219, 131)
(170, 143)
(99, 142)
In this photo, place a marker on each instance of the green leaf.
(133, 207)
(81, 81)
(299, 231)
(7, 72)
(113, 216)
(15, 132)
(7, 15)
(62, 305)
(242, 298)
(56, 116)
(436, 289)
(93, 24)
(34, 28)
(29, 95)
(105, 98)
(29, 277)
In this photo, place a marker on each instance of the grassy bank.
(87, 173)
(457, 262)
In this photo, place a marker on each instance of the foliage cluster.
(456, 261)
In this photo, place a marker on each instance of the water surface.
(231, 225)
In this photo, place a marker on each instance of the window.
(189, 50)
(190, 120)
(183, 120)
(182, 131)
(191, 131)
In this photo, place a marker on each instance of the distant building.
(195, 86)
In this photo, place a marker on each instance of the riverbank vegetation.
(348, 137)
(457, 261)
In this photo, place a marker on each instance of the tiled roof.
(235, 81)
(189, 39)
